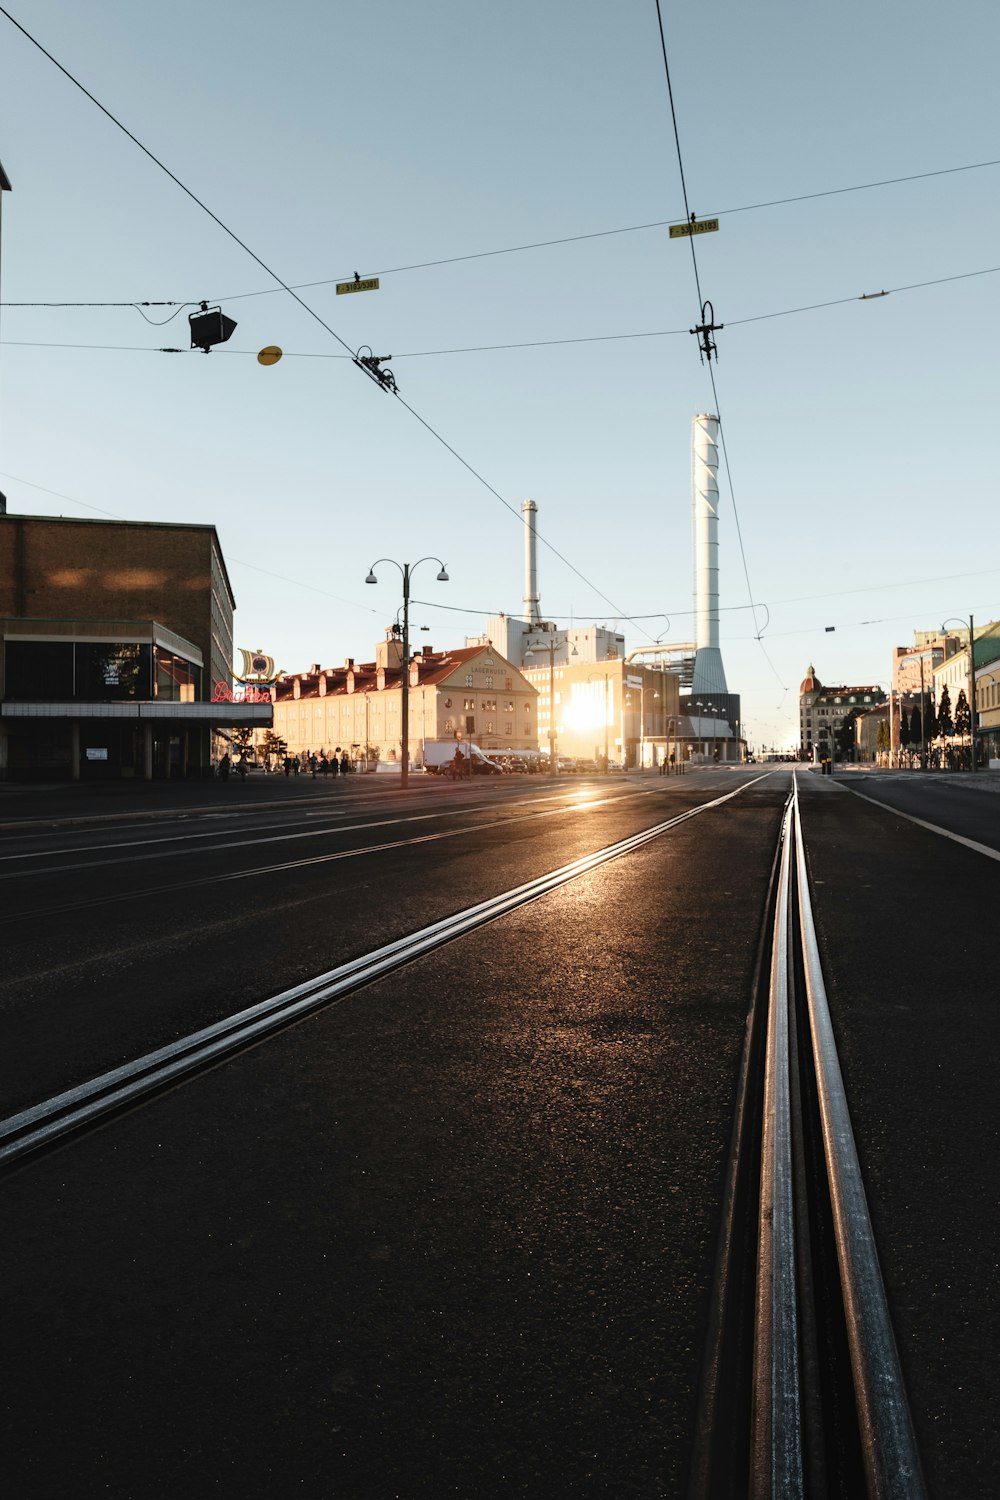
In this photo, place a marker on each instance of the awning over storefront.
(212, 715)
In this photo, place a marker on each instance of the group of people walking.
(337, 763)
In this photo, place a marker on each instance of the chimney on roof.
(314, 670)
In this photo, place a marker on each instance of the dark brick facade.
(56, 568)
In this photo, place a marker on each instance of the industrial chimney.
(532, 610)
(709, 673)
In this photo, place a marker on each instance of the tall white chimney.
(709, 673)
(532, 609)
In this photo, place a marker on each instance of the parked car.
(587, 766)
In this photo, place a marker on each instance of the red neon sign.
(223, 693)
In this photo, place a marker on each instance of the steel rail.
(797, 1272)
(45, 1123)
(889, 1448)
(776, 1440)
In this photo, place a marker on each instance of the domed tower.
(809, 691)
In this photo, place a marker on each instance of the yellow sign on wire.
(697, 226)
(370, 284)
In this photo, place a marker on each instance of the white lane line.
(945, 833)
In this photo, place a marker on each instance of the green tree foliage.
(945, 726)
(916, 725)
(273, 746)
(882, 736)
(963, 718)
(846, 736)
(904, 730)
(242, 740)
(931, 725)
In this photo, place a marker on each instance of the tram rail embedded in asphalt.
(53, 1120)
(802, 1391)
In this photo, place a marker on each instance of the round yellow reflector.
(269, 356)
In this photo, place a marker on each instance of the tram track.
(802, 1393)
(137, 892)
(80, 1108)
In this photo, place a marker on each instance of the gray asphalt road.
(456, 1235)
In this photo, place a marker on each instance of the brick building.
(472, 693)
(113, 637)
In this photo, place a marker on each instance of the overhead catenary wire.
(597, 234)
(676, 612)
(707, 343)
(571, 239)
(597, 338)
(302, 303)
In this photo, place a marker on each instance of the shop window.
(39, 670)
(109, 671)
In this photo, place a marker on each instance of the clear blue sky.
(334, 137)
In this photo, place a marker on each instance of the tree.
(963, 718)
(846, 736)
(242, 740)
(882, 737)
(931, 726)
(274, 747)
(904, 729)
(917, 734)
(945, 726)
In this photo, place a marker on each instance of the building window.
(468, 679)
(508, 728)
(449, 726)
(468, 703)
(489, 679)
(510, 705)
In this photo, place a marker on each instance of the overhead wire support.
(383, 378)
(371, 365)
(704, 330)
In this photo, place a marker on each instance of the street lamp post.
(972, 686)
(406, 569)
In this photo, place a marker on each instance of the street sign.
(698, 226)
(269, 356)
(357, 285)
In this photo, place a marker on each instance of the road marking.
(945, 833)
(82, 1105)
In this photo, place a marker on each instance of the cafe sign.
(223, 692)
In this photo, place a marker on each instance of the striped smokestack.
(532, 610)
(709, 673)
